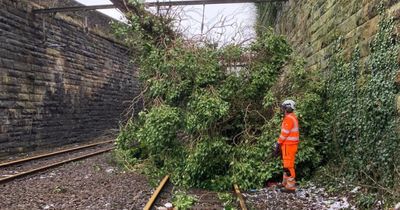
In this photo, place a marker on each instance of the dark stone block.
(6, 63)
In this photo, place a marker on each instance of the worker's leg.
(288, 156)
(286, 171)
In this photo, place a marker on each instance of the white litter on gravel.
(48, 206)
(110, 170)
(397, 207)
(356, 189)
(341, 204)
(50, 175)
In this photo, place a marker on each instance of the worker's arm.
(287, 125)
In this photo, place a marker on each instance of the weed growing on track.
(228, 200)
(183, 201)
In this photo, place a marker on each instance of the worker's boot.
(290, 186)
(284, 181)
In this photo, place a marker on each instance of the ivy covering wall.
(361, 108)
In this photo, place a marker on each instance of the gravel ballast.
(312, 198)
(93, 183)
(97, 183)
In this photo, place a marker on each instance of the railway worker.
(288, 141)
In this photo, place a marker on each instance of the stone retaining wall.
(60, 81)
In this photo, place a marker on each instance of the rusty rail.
(9, 178)
(53, 153)
(156, 192)
(240, 197)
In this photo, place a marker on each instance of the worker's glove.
(277, 152)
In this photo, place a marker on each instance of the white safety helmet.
(289, 105)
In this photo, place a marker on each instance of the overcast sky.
(239, 17)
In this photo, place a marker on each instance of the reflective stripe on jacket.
(289, 130)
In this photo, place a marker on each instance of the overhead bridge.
(202, 2)
(151, 4)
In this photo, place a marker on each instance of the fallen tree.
(210, 115)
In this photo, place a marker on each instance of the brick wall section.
(312, 26)
(59, 85)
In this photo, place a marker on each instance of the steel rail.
(52, 153)
(239, 195)
(155, 194)
(9, 178)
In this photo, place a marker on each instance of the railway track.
(210, 198)
(22, 167)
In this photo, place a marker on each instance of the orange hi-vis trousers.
(288, 156)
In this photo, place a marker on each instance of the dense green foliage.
(208, 123)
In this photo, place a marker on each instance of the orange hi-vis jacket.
(290, 130)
